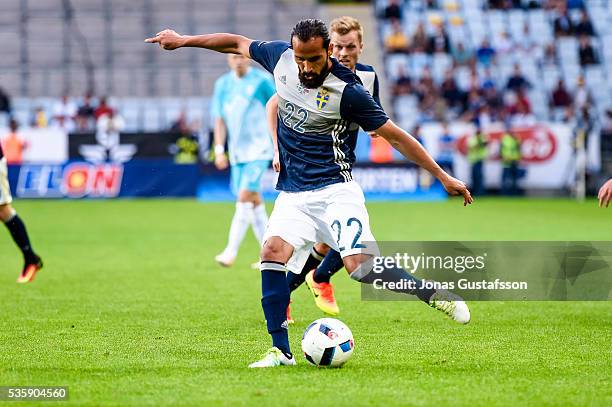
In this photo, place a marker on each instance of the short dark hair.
(311, 28)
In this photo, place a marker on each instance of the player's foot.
(29, 271)
(273, 358)
(224, 259)
(323, 294)
(451, 304)
(289, 319)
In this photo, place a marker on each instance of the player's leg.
(350, 231)
(288, 228)
(251, 183)
(243, 215)
(275, 297)
(360, 268)
(331, 264)
(294, 268)
(316, 255)
(17, 229)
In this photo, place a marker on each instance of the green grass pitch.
(132, 310)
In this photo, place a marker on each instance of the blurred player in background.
(322, 104)
(238, 109)
(13, 145)
(347, 41)
(32, 262)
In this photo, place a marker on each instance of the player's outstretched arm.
(605, 194)
(271, 117)
(414, 151)
(220, 42)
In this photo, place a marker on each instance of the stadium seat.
(594, 76)
(440, 64)
(472, 4)
(151, 116)
(567, 49)
(462, 75)
(457, 34)
(570, 75)
(418, 62)
(550, 77)
(515, 29)
(497, 22)
(394, 61)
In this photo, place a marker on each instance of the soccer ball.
(327, 342)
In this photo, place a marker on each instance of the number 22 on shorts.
(354, 226)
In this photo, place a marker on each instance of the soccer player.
(32, 262)
(321, 105)
(238, 108)
(347, 45)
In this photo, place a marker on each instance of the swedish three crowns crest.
(322, 98)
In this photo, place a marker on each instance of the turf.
(131, 310)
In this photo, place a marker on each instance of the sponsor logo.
(322, 98)
(99, 177)
(283, 79)
(538, 144)
(74, 180)
(109, 148)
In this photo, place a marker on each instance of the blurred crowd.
(90, 114)
(69, 114)
(86, 114)
(485, 97)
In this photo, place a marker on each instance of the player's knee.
(358, 265)
(256, 199)
(322, 249)
(276, 249)
(6, 212)
(249, 196)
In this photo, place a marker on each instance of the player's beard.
(316, 80)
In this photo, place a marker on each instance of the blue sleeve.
(267, 53)
(358, 106)
(216, 105)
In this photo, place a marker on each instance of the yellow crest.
(322, 98)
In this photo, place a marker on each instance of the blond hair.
(345, 24)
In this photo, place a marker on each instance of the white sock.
(260, 221)
(240, 223)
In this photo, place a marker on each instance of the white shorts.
(335, 215)
(5, 190)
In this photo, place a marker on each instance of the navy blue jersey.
(369, 79)
(317, 128)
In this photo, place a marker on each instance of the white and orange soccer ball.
(327, 342)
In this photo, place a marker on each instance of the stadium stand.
(57, 47)
(469, 78)
(459, 58)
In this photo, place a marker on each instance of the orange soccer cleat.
(323, 294)
(29, 271)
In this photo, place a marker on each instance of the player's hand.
(605, 194)
(221, 161)
(167, 39)
(276, 162)
(455, 187)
